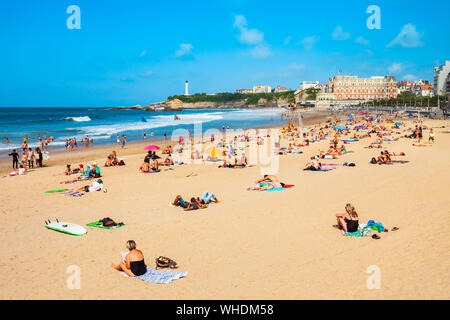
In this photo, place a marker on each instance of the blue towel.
(359, 233)
(159, 276)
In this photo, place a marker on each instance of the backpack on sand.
(164, 262)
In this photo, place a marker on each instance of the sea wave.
(78, 119)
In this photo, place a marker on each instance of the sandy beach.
(251, 245)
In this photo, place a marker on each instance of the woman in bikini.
(348, 221)
(134, 264)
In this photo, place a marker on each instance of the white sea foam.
(79, 119)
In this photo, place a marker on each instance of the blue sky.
(141, 51)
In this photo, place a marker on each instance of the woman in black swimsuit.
(348, 221)
(134, 264)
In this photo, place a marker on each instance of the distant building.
(308, 84)
(424, 90)
(281, 89)
(440, 76)
(354, 88)
(447, 87)
(405, 86)
(244, 90)
(262, 89)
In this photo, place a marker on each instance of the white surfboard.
(67, 227)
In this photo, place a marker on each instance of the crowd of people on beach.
(379, 131)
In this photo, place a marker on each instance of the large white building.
(440, 76)
(261, 89)
(354, 88)
(308, 84)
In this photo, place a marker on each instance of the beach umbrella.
(151, 148)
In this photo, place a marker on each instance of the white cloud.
(247, 36)
(363, 41)
(251, 37)
(185, 49)
(369, 52)
(143, 53)
(309, 42)
(147, 73)
(410, 77)
(395, 68)
(287, 40)
(407, 38)
(260, 51)
(296, 67)
(340, 34)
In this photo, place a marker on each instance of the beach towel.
(385, 163)
(286, 186)
(72, 193)
(318, 170)
(159, 276)
(99, 224)
(364, 232)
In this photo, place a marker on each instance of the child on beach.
(431, 137)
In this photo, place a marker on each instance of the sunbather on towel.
(267, 182)
(134, 264)
(348, 221)
(96, 186)
(313, 165)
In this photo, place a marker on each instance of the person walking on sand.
(118, 139)
(15, 159)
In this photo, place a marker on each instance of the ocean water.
(104, 125)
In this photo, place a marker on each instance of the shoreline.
(132, 148)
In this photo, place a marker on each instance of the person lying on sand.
(193, 205)
(167, 162)
(134, 264)
(267, 182)
(313, 165)
(96, 186)
(208, 198)
(348, 221)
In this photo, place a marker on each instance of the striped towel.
(159, 276)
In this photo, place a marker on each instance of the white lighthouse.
(186, 88)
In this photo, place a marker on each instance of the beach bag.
(108, 222)
(164, 262)
(121, 163)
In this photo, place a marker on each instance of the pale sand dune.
(253, 245)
